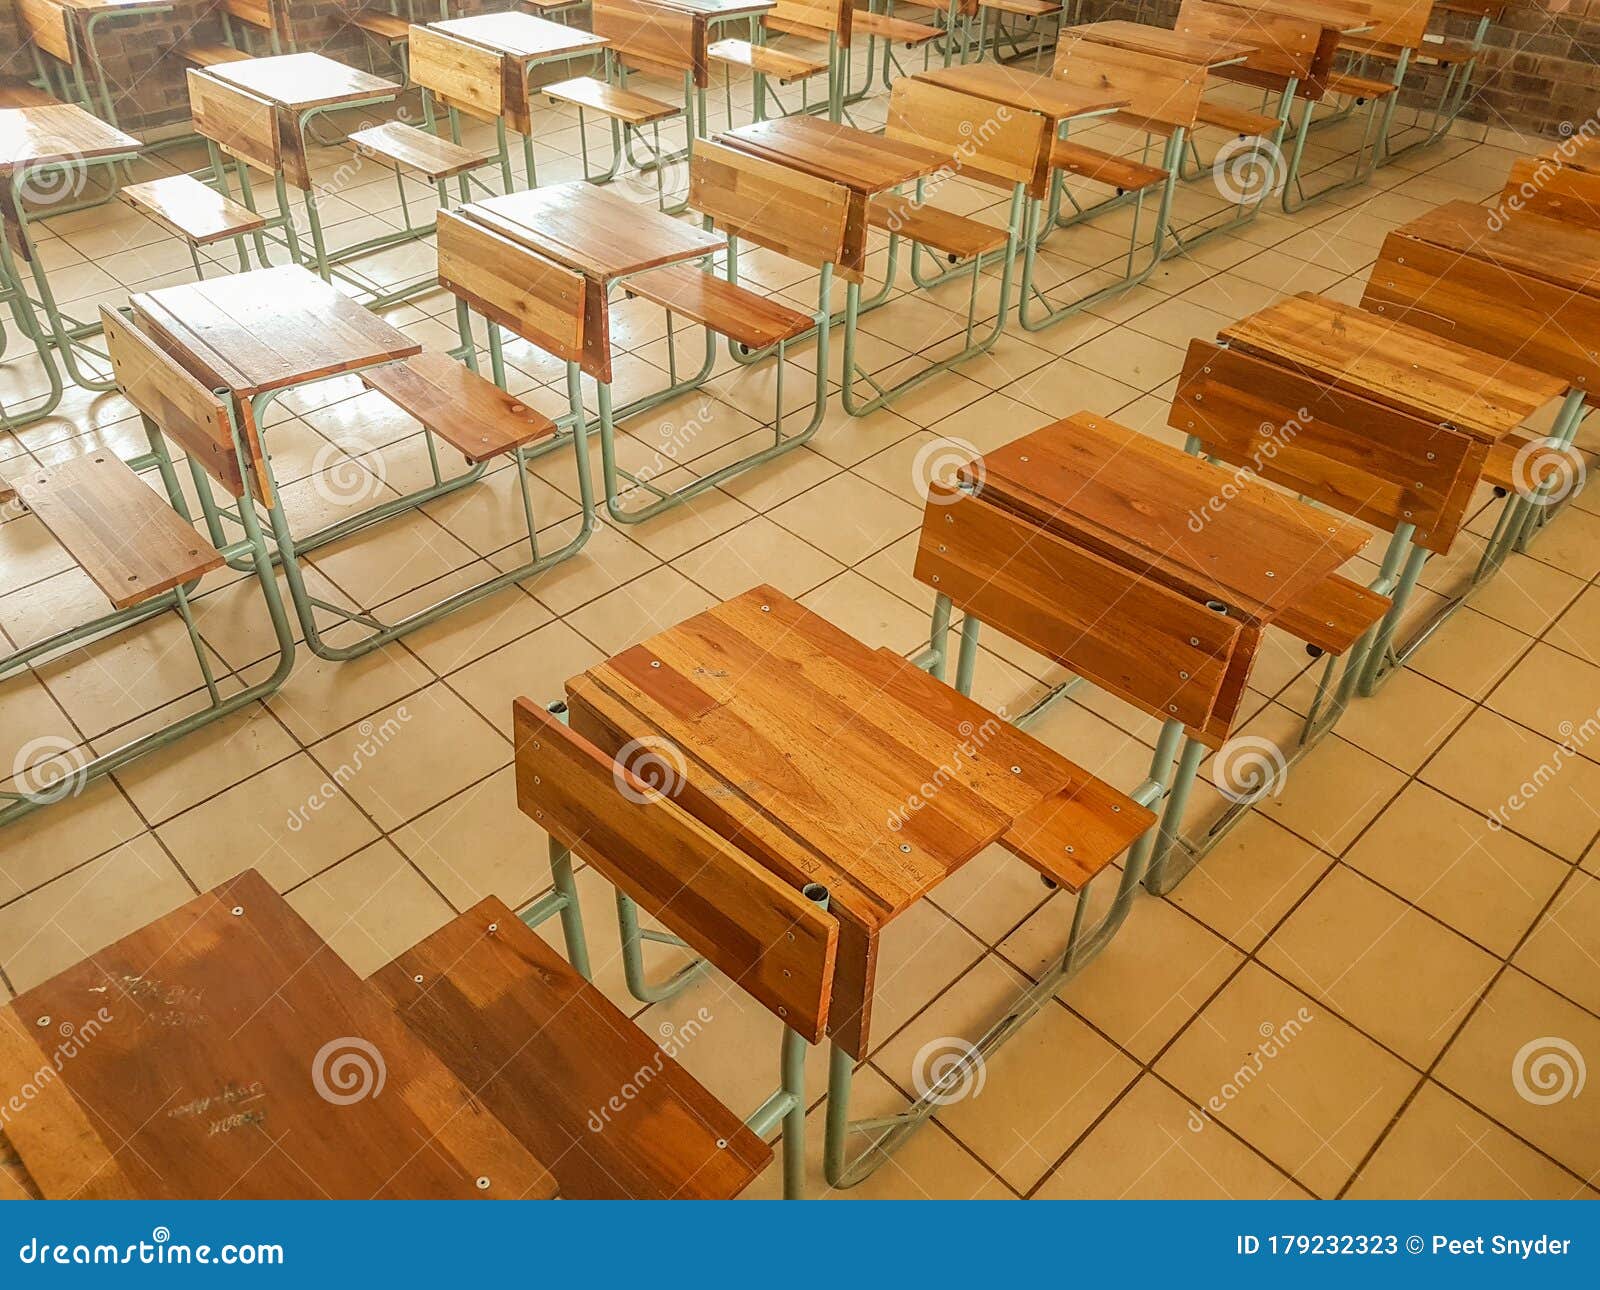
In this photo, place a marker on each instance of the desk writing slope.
(198, 1070)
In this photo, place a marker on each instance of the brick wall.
(1541, 67)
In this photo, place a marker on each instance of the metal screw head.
(238, 911)
(905, 846)
(766, 609)
(418, 978)
(655, 662)
(42, 1022)
(1071, 851)
(782, 1011)
(1116, 810)
(483, 1182)
(722, 1144)
(935, 578)
(493, 928)
(1016, 770)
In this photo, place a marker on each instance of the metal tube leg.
(571, 914)
(633, 957)
(792, 1076)
(967, 660)
(1160, 879)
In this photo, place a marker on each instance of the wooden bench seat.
(1501, 469)
(789, 27)
(1335, 615)
(209, 54)
(1103, 167)
(1446, 52)
(1238, 121)
(420, 151)
(611, 100)
(755, 321)
(16, 92)
(564, 1070)
(382, 26)
(125, 537)
(469, 412)
(900, 31)
(1358, 87)
(782, 66)
(955, 235)
(1022, 8)
(192, 210)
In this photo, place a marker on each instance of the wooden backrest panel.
(653, 36)
(1357, 456)
(985, 140)
(1514, 316)
(242, 125)
(256, 13)
(183, 409)
(466, 77)
(540, 301)
(764, 934)
(1546, 187)
(1159, 90)
(1398, 22)
(47, 23)
(798, 215)
(824, 15)
(1285, 44)
(1147, 644)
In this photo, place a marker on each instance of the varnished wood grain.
(979, 139)
(469, 412)
(809, 219)
(465, 75)
(302, 81)
(1162, 93)
(1023, 89)
(865, 163)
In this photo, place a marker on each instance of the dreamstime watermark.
(1274, 439)
(374, 738)
(1574, 737)
(673, 1040)
(1544, 167)
(973, 137)
(44, 771)
(675, 438)
(939, 461)
(1548, 1070)
(1247, 169)
(1249, 767)
(973, 739)
(655, 763)
(348, 1070)
(41, 187)
(947, 1070)
(1274, 1039)
(1545, 474)
(75, 1037)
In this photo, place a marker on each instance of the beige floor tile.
(1519, 1059)
(1332, 794)
(1251, 880)
(1488, 884)
(322, 696)
(537, 667)
(68, 920)
(1442, 1149)
(1410, 718)
(1578, 630)
(1155, 1146)
(53, 839)
(1564, 949)
(757, 551)
(474, 630)
(408, 758)
(1555, 693)
(1532, 786)
(639, 609)
(1301, 1086)
(1348, 943)
(991, 894)
(1033, 1097)
(370, 907)
(478, 844)
(205, 762)
(1470, 653)
(847, 518)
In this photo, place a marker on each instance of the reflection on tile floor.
(1347, 998)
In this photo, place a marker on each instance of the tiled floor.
(1336, 1003)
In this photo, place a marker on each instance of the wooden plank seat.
(755, 321)
(781, 65)
(17, 92)
(1235, 120)
(1022, 8)
(792, 27)
(1103, 167)
(899, 31)
(469, 412)
(1360, 88)
(202, 53)
(420, 151)
(192, 210)
(627, 106)
(124, 536)
(955, 235)
(1333, 615)
(1502, 470)
(384, 27)
(548, 1055)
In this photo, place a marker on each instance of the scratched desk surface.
(225, 1051)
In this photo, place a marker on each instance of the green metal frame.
(1295, 196)
(251, 551)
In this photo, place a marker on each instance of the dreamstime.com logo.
(1548, 1070)
(948, 1069)
(348, 1070)
(1274, 1039)
(1248, 768)
(656, 763)
(45, 771)
(1248, 169)
(938, 462)
(160, 1249)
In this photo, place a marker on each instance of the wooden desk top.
(1165, 42)
(865, 163)
(786, 722)
(1344, 16)
(1556, 251)
(521, 35)
(1579, 152)
(1129, 498)
(37, 136)
(267, 330)
(1016, 87)
(1396, 364)
(87, 7)
(302, 81)
(592, 230)
(716, 10)
(225, 1051)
